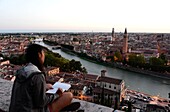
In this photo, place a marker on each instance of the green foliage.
(157, 64)
(53, 59)
(75, 65)
(131, 59)
(136, 60)
(118, 56)
(163, 57)
(17, 59)
(140, 59)
(156, 61)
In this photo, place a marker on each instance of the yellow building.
(53, 71)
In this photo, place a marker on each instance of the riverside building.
(111, 88)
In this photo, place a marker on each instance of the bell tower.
(113, 34)
(125, 42)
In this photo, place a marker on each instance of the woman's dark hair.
(31, 55)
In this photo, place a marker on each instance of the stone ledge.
(92, 107)
(5, 95)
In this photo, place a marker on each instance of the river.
(136, 81)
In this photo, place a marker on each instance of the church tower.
(125, 42)
(113, 34)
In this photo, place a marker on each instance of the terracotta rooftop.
(91, 76)
(109, 80)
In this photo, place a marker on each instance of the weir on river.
(135, 81)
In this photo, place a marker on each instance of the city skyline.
(84, 16)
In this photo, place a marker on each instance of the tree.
(136, 60)
(75, 65)
(157, 64)
(140, 60)
(52, 59)
(156, 61)
(118, 56)
(17, 59)
(132, 59)
(163, 57)
(84, 70)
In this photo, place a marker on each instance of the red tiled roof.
(66, 76)
(91, 76)
(87, 83)
(109, 80)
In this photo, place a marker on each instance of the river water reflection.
(136, 81)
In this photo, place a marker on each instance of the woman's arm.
(40, 98)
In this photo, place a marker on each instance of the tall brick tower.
(125, 42)
(113, 34)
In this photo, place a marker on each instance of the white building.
(112, 87)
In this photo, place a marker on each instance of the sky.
(85, 15)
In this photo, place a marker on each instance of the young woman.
(29, 89)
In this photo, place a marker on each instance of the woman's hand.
(49, 86)
(59, 92)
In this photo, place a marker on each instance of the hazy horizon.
(85, 16)
(60, 31)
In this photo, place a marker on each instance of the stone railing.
(5, 94)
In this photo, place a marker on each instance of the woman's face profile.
(41, 57)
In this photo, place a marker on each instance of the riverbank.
(117, 65)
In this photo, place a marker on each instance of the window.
(110, 86)
(115, 87)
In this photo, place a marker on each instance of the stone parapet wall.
(5, 95)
